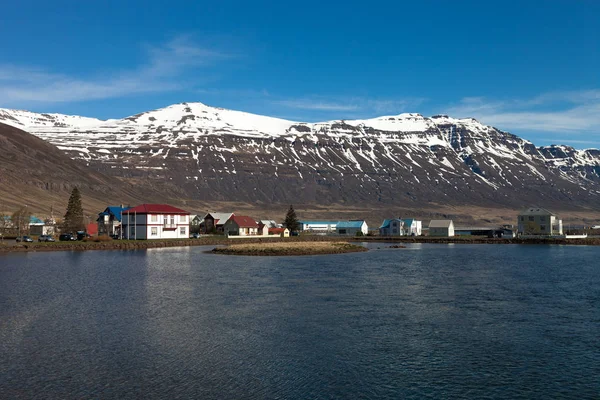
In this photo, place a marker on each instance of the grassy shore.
(9, 246)
(288, 248)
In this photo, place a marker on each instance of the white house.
(412, 227)
(155, 221)
(538, 221)
(441, 227)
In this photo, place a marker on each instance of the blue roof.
(350, 224)
(35, 220)
(385, 223)
(408, 221)
(115, 211)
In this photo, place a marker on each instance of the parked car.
(194, 236)
(24, 239)
(46, 238)
(65, 237)
(82, 235)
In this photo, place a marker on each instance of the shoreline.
(7, 247)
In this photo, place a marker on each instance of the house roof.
(408, 221)
(269, 222)
(536, 211)
(114, 211)
(440, 223)
(155, 209)
(219, 217)
(277, 230)
(386, 222)
(243, 221)
(350, 224)
(35, 221)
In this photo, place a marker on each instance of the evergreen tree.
(73, 220)
(291, 221)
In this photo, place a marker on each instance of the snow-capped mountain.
(213, 153)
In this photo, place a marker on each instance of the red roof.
(276, 230)
(243, 221)
(155, 209)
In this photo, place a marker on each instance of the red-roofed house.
(240, 225)
(155, 221)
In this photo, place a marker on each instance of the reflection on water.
(435, 321)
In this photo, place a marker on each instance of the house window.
(542, 218)
(542, 227)
(182, 218)
(522, 219)
(154, 218)
(182, 230)
(154, 231)
(342, 231)
(531, 218)
(395, 231)
(172, 220)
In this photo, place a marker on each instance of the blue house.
(109, 220)
(391, 227)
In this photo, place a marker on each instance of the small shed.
(441, 228)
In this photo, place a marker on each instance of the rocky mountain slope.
(405, 160)
(35, 173)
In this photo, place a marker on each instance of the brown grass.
(288, 248)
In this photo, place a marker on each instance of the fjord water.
(429, 321)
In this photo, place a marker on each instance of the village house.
(214, 222)
(155, 221)
(109, 220)
(352, 228)
(240, 225)
(441, 228)
(195, 223)
(281, 232)
(538, 221)
(412, 227)
(391, 227)
(39, 227)
(263, 229)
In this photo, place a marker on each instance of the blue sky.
(529, 67)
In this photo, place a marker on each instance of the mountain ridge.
(219, 154)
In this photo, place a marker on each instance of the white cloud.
(568, 112)
(22, 85)
(359, 106)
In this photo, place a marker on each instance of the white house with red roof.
(240, 225)
(155, 221)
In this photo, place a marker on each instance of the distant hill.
(35, 173)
